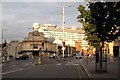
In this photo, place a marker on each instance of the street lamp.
(63, 21)
(3, 34)
(32, 42)
(36, 26)
(4, 50)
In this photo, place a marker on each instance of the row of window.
(35, 46)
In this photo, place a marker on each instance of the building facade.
(70, 33)
(31, 45)
(36, 42)
(114, 47)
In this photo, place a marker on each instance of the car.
(52, 55)
(78, 56)
(22, 57)
(10, 55)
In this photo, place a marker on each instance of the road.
(68, 68)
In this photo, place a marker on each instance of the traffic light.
(40, 49)
(42, 43)
(63, 43)
(4, 45)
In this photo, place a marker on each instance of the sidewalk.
(112, 69)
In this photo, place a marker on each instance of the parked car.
(78, 56)
(22, 57)
(52, 55)
(10, 55)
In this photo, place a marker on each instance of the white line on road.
(58, 64)
(66, 64)
(9, 72)
(14, 71)
(86, 71)
(76, 64)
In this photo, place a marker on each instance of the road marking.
(16, 70)
(8, 72)
(76, 64)
(66, 64)
(13, 71)
(58, 64)
(86, 71)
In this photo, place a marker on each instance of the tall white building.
(70, 33)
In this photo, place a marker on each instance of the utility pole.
(63, 29)
(33, 43)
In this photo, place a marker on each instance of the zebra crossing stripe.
(58, 64)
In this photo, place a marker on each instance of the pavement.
(112, 68)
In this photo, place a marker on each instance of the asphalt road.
(69, 68)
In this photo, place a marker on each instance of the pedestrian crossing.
(67, 64)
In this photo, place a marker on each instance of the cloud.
(17, 17)
(43, 0)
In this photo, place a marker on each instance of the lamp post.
(4, 49)
(36, 26)
(32, 42)
(63, 21)
(3, 34)
(63, 29)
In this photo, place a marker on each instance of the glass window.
(34, 46)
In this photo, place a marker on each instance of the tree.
(101, 22)
(90, 32)
(105, 16)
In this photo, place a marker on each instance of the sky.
(18, 17)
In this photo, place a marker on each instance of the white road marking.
(67, 64)
(76, 64)
(58, 64)
(86, 71)
(15, 70)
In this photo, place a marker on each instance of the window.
(34, 46)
